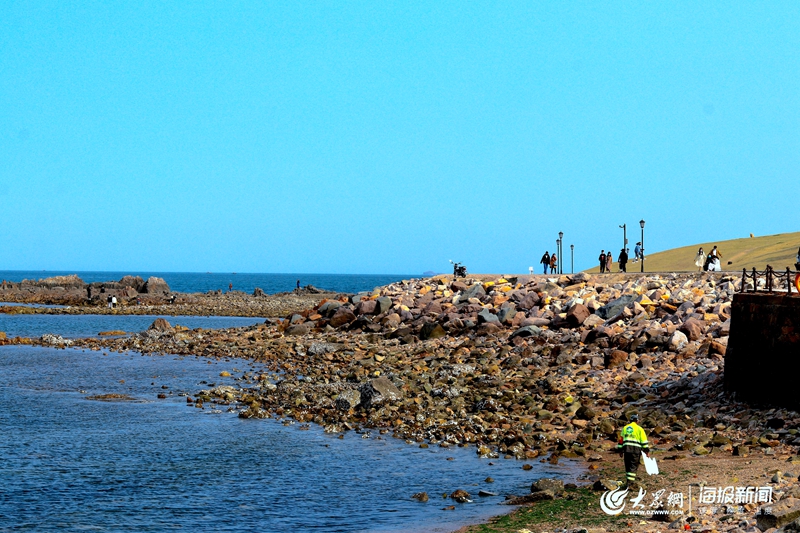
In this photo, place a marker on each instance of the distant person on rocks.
(700, 259)
(553, 263)
(298, 285)
(108, 300)
(609, 260)
(623, 260)
(113, 302)
(545, 261)
(602, 260)
(530, 271)
(230, 287)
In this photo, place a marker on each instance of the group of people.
(549, 261)
(710, 262)
(606, 259)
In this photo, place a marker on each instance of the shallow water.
(73, 464)
(73, 326)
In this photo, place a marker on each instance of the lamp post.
(558, 255)
(561, 252)
(641, 224)
(571, 258)
(624, 236)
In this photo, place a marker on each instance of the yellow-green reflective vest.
(632, 438)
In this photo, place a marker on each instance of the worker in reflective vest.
(632, 442)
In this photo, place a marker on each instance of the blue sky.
(389, 137)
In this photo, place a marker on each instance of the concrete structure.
(763, 349)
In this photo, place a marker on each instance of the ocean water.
(72, 463)
(204, 282)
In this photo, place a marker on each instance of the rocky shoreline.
(136, 296)
(535, 367)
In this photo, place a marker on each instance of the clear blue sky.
(389, 137)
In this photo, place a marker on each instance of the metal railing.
(773, 280)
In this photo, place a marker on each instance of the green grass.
(779, 251)
(580, 507)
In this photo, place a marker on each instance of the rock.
(366, 307)
(421, 497)
(348, 399)
(616, 358)
(585, 412)
(531, 498)
(342, 316)
(553, 485)
(159, 324)
(378, 391)
(297, 330)
(258, 292)
(605, 484)
(431, 330)
(526, 331)
(507, 313)
(615, 307)
(135, 282)
(55, 340)
(530, 301)
(677, 341)
(155, 285)
(383, 305)
(474, 291)
(592, 321)
(607, 427)
(486, 316)
(781, 513)
(321, 348)
(461, 496)
(577, 314)
(693, 328)
(329, 307)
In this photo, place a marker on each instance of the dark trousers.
(622, 267)
(631, 465)
(602, 266)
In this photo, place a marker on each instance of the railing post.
(769, 278)
(788, 281)
(755, 280)
(744, 278)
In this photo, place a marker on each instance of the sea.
(75, 462)
(246, 282)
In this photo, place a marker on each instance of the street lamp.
(571, 258)
(560, 251)
(624, 236)
(641, 224)
(558, 254)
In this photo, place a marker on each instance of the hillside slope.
(779, 251)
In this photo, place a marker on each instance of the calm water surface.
(77, 464)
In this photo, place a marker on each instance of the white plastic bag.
(650, 464)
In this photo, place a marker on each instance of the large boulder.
(577, 314)
(530, 301)
(156, 285)
(779, 515)
(133, 281)
(348, 399)
(474, 291)
(342, 316)
(159, 324)
(366, 307)
(378, 391)
(431, 330)
(555, 486)
(615, 307)
(384, 304)
(487, 316)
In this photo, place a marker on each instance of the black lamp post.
(571, 258)
(641, 224)
(558, 255)
(561, 252)
(624, 236)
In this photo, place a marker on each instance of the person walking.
(553, 263)
(638, 252)
(700, 259)
(609, 261)
(602, 260)
(545, 261)
(623, 260)
(632, 443)
(797, 264)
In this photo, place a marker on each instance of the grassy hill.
(779, 251)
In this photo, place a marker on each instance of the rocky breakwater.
(550, 366)
(72, 290)
(135, 296)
